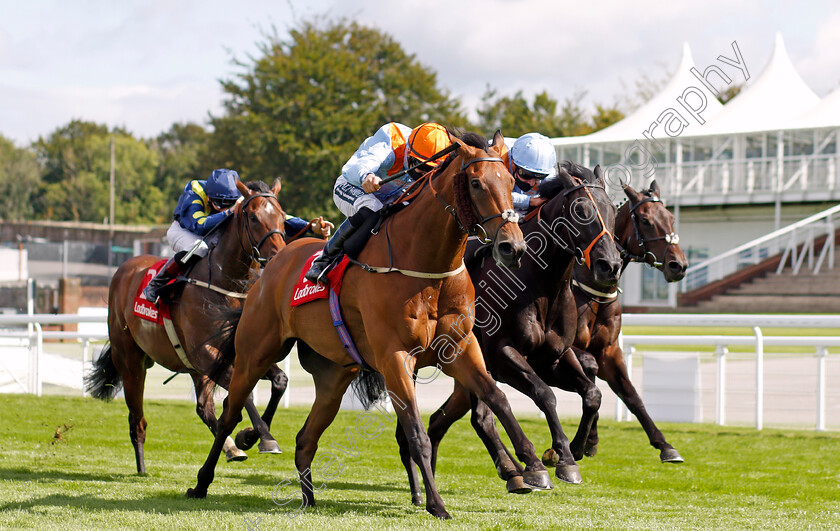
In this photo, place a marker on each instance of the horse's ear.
(599, 174)
(244, 190)
(455, 140)
(497, 145)
(654, 188)
(634, 196)
(564, 177)
(275, 189)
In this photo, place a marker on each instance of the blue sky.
(145, 65)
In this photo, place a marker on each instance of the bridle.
(648, 257)
(583, 256)
(252, 241)
(508, 215)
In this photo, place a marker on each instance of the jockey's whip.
(439, 154)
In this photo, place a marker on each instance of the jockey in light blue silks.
(531, 159)
(357, 192)
(201, 207)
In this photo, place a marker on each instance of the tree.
(19, 181)
(730, 92)
(75, 162)
(515, 116)
(303, 106)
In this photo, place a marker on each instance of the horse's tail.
(228, 320)
(369, 386)
(104, 380)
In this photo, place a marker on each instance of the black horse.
(530, 348)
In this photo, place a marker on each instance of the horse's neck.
(229, 261)
(425, 237)
(624, 227)
(548, 272)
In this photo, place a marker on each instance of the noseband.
(583, 256)
(648, 257)
(253, 242)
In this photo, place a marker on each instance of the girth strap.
(176, 343)
(343, 333)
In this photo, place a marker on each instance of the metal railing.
(786, 240)
(722, 343)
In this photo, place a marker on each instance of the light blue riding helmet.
(534, 152)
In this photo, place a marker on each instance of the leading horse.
(253, 233)
(530, 347)
(417, 314)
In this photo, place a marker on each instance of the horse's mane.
(258, 186)
(550, 188)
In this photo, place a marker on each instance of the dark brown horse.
(415, 316)
(645, 229)
(253, 233)
(530, 346)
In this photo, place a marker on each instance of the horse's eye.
(475, 183)
(252, 217)
(646, 222)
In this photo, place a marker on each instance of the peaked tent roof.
(632, 127)
(776, 97)
(826, 113)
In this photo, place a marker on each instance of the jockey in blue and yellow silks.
(201, 207)
(357, 192)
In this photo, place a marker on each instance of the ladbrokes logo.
(145, 311)
(309, 289)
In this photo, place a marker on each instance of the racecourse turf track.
(67, 463)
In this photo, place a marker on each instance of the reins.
(255, 245)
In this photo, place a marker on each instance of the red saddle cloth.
(306, 291)
(143, 307)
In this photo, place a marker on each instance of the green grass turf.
(732, 478)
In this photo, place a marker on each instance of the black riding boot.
(332, 250)
(169, 271)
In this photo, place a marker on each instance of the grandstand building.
(747, 181)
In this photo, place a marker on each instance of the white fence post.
(759, 378)
(629, 362)
(85, 358)
(720, 414)
(821, 353)
(287, 368)
(618, 404)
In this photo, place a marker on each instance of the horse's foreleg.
(568, 374)
(400, 384)
(484, 424)
(613, 371)
(205, 407)
(455, 407)
(469, 369)
(409, 465)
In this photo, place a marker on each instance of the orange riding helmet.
(427, 139)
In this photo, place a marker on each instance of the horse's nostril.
(505, 248)
(676, 267)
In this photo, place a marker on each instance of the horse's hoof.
(550, 458)
(270, 447)
(417, 499)
(590, 450)
(568, 474)
(439, 513)
(235, 454)
(517, 485)
(246, 438)
(670, 455)
(196, 493)
(538, 479)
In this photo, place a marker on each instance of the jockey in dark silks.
(357, 191)
(201, 207)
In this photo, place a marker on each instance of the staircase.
(805, 282)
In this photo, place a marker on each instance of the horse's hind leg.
(205, 407)
(409, 465)
(469, 369)
(590, 367)
(331, 381)
(130, 361)
(613, 371)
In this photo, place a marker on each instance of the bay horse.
(645, 229)
(530, 349)
(250, 235)
(418, 314)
